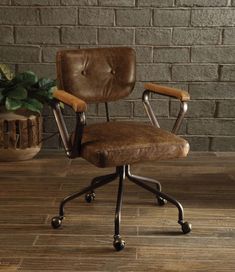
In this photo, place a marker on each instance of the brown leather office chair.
(102, 75)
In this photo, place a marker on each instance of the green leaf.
(33, 105)
(12, 104)
(46, 83)
(27, 78)
(18, 93)
(51, 91)
(5, 72)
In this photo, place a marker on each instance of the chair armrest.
(183, 96)
(76, 103)
(172, 92)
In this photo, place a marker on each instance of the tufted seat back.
(97, 74)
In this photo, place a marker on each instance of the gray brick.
(171, 17)
(213, 17)
(49, 125)
(225, 127)
(156, 3)
(49, 53)
(171, 54)
(226, 108)
(79, 2)
(79, 35)
(117, 109)
(6, 36)
(51, 143)
(47, 111)
(96, 16)
(36, 2)
(42, 70)
(153, 36)
(223, 144)
(198, 143)
(5, 2)
(144, 53)
(153, 72)
(19, 16)
(194, 72)
(228, 73)
(229, 36)
(161, 56)
(212, 90)
(116, 36)
(133, 17)
(92, 110)
(168, 124)
(119, 3)
(160, 107)
(221, 54)
(17, 54)
(37, 35)
(201, 3)
(137, 92)
(196, 108)
(193, 36)
(59, 16)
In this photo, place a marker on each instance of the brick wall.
(188, 44)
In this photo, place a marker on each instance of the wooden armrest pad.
(180, 94)
(76, 103)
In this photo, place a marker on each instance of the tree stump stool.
(20, 136)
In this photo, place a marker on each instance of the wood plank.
(9, 264)
(31, 193)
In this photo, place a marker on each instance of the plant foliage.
(24, 90)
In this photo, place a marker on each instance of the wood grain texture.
(30, 194)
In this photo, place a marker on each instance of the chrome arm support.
(180, 117)
(71, 150)
(152, 117)
(148, 109)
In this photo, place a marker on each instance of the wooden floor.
(30, 193)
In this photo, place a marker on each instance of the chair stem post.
(122, 173)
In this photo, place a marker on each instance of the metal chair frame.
(73, 151)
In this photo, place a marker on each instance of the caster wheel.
(119, 244)
(161, 201)
(56, 222)
(186, 227)
(90, 197)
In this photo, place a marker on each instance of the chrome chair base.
(122, 172)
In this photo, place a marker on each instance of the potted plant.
(21, 101)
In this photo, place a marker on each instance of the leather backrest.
(97, 74)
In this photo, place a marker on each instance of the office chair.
(101, 75)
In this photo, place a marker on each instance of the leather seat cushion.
(120, 143)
